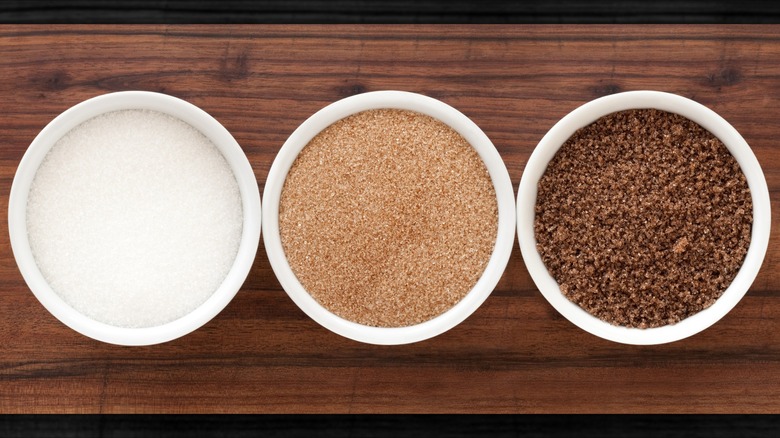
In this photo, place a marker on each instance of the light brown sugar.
(388, 217)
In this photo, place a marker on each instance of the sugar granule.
(134, 218)
(388, 217)
(643, 218)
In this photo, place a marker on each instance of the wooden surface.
(396, 11)
(515, 353)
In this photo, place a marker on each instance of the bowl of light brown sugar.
(390, 217)
(643, 217)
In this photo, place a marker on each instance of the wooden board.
(515, 353)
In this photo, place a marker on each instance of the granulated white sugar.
(388, 218)
(134, 218)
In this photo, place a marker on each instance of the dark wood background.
(396, 11)
(515, 354)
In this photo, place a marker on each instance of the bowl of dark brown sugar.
(643, 217)
(390, 217)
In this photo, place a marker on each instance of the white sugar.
(134, 218)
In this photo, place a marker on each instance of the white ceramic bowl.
(250, 198)
(585, 115)
(398, 100)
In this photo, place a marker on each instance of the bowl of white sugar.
(388, 217)
(134, 217)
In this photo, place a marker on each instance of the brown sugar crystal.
(643, 218)
(388, 218)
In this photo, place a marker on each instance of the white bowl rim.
(182, 110)
(708, 119)
(398, 100)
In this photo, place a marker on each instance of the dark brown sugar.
(643, 218)
(388, 218)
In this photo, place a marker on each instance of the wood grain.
(515, 354)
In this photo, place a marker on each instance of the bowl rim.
(708, 119)
(180, 109)
(396, 100)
